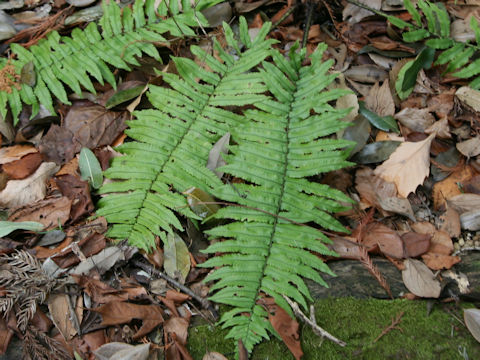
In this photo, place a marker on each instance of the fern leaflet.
(277, 149)
(172, 143)
(125, 34)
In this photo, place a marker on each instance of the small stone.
(469, 243)
(456, 246)
(461, 242)
(477, 244)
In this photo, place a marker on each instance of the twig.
(282, 18)
(312, 322)
(204, 302)
(390, 327)
(308, 23)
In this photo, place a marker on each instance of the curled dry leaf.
(61, 313)
(472, 320)
(465, 202)
(440, 261)
(470, 220)
(408, 166)
(415, 119)
(16, 152)
(448, 188)
(450, 222)
(469, 96)
(22, 192)
(470, 147)
(440, 128)
(419, 279)
(397, 206)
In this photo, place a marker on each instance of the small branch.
(204, 302)
(392, 326)
(313, 323)
(308, 22)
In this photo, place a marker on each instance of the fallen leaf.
(26, 166)
(387, 240)
(286, 326)
(6, 335)
(179, 326)
(176, 257)
(415, 119)
(465, 202)
(22, 192)
(213, 356)
(450, 222)
(470, 147)
(215, 159)
(90, 168)
(415, 244)
(79, 192)
(472, 320)
(397, 206)
(448, 188)
(86, 247)
(16, 152)
(380, 100)
(441, 243)
(50, 212)
(117, 313)
(440, 261)
(372, 188)
(470, 220)
(122, 351)
(419, 279)
(104, 260)
(6, 227)
(469, 96)
(60, 311)
(408, 166)
(440, 128)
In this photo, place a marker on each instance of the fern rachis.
(279, 146)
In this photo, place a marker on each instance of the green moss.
(358, 322)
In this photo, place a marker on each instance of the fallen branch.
(312, 322)
(204, 302)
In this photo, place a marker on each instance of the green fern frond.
(172, 143)
(284, 142)
(123, 35)
(436, 35)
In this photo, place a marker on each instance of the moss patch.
(358, 322)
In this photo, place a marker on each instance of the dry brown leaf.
(50, 212)
(387, 240)
(380, 100)
(117, 313)
(60, 311)
(439, 261)
(16, 152)
(415, 244)
(371, 188)
(450, 222)
(465, 202)
(441, 243)
(415, 119)
(179, 326)
(470, 147)
(419, 279)
(469, 96)
(448, 188)
(286, 326)
(26, 166)
(470, 220)
(408, 166)
(397, 206)
(22, 192)
(440, 128)
(424, 227)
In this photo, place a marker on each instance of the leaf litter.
(107, 306)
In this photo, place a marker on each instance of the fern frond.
(436, 34)
(123, 35)
(172, 143)
(284, 142)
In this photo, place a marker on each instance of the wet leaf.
(125, 95)
(419, 279)
(90, 168)
(28, 75)
(201, 203)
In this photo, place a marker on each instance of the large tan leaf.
(22, 192)
(419, 279)
(408, 166)
(472, 320)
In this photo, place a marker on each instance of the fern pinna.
(125, 34)
(270, 247)
(173, 141)
(435, 31)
